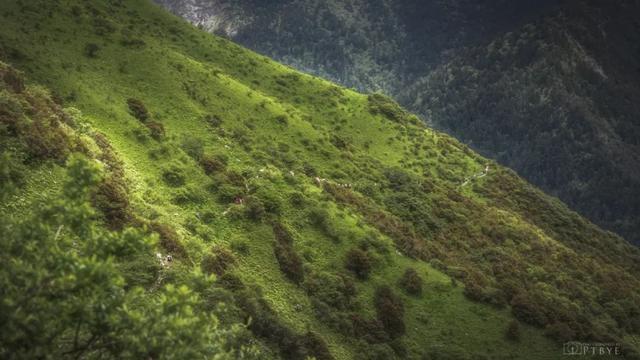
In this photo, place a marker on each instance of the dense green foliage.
(307, 201)
(555, 99)
(65, 293)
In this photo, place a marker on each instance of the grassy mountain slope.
(554, 99)
(322, 197)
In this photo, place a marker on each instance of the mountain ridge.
(405, 48)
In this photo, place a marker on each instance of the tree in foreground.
(63, 294)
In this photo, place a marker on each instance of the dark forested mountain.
(548, 88)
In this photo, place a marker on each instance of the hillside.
(558, 103)
(333, 224)
(487, 72)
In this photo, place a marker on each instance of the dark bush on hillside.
(265, 324)
(376, 351)
(309, 169)
(218, 261)
(231, 282)
(314, 346)
(411, 282)
(513, 331)
(290, 262)
(188, 195)
(33, 121)
(380, 104)
(560, 332)
(193, 146)
(337, 291)
(102, 26)
(91, 50)
(240, 247)
(12, 174)
(138, 110)
(390, 311)
(449, 352)
(399, 347)
(169, 239)
(282, 120)
(527, 311)
(297, 199)
(112, 199)
(228, 193)
(370, 330)
(174, 177)
(336, 319)
(128, 39)
(358, 262)
(212, 164)
(213, 120)
(340, 142)
(281, 233)
(254, 208)
(156, 130)
(271, 200)
(12, 79)
(235, 178)
(321, 218)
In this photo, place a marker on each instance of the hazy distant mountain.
(549, 89)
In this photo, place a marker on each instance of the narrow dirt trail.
(476, 176)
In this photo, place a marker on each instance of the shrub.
(91, 50)
(12, 79)
(314, 346)
(270, 200)
(513, 331)
(138, 110)
(281, 233)
(376, 351)
(527, 311)
(188, 195)
(380, 104)
(282, 119)
(254, 208)
(218, 261)
(358, 262)
(193, 146)
(213, 120)
(156, 130)
(231, 282)
(174, 177)
(212, 164)
(411, 282)
(111, 198)
(297, 199)
(290, 262)
(369, 330)
(228, 193)
(390, 311)
(169, 239)
(265, 323)
(32, 121)
(337, 291)
(560, 331)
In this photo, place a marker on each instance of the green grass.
(182, 75)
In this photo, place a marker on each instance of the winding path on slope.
(476, 176)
